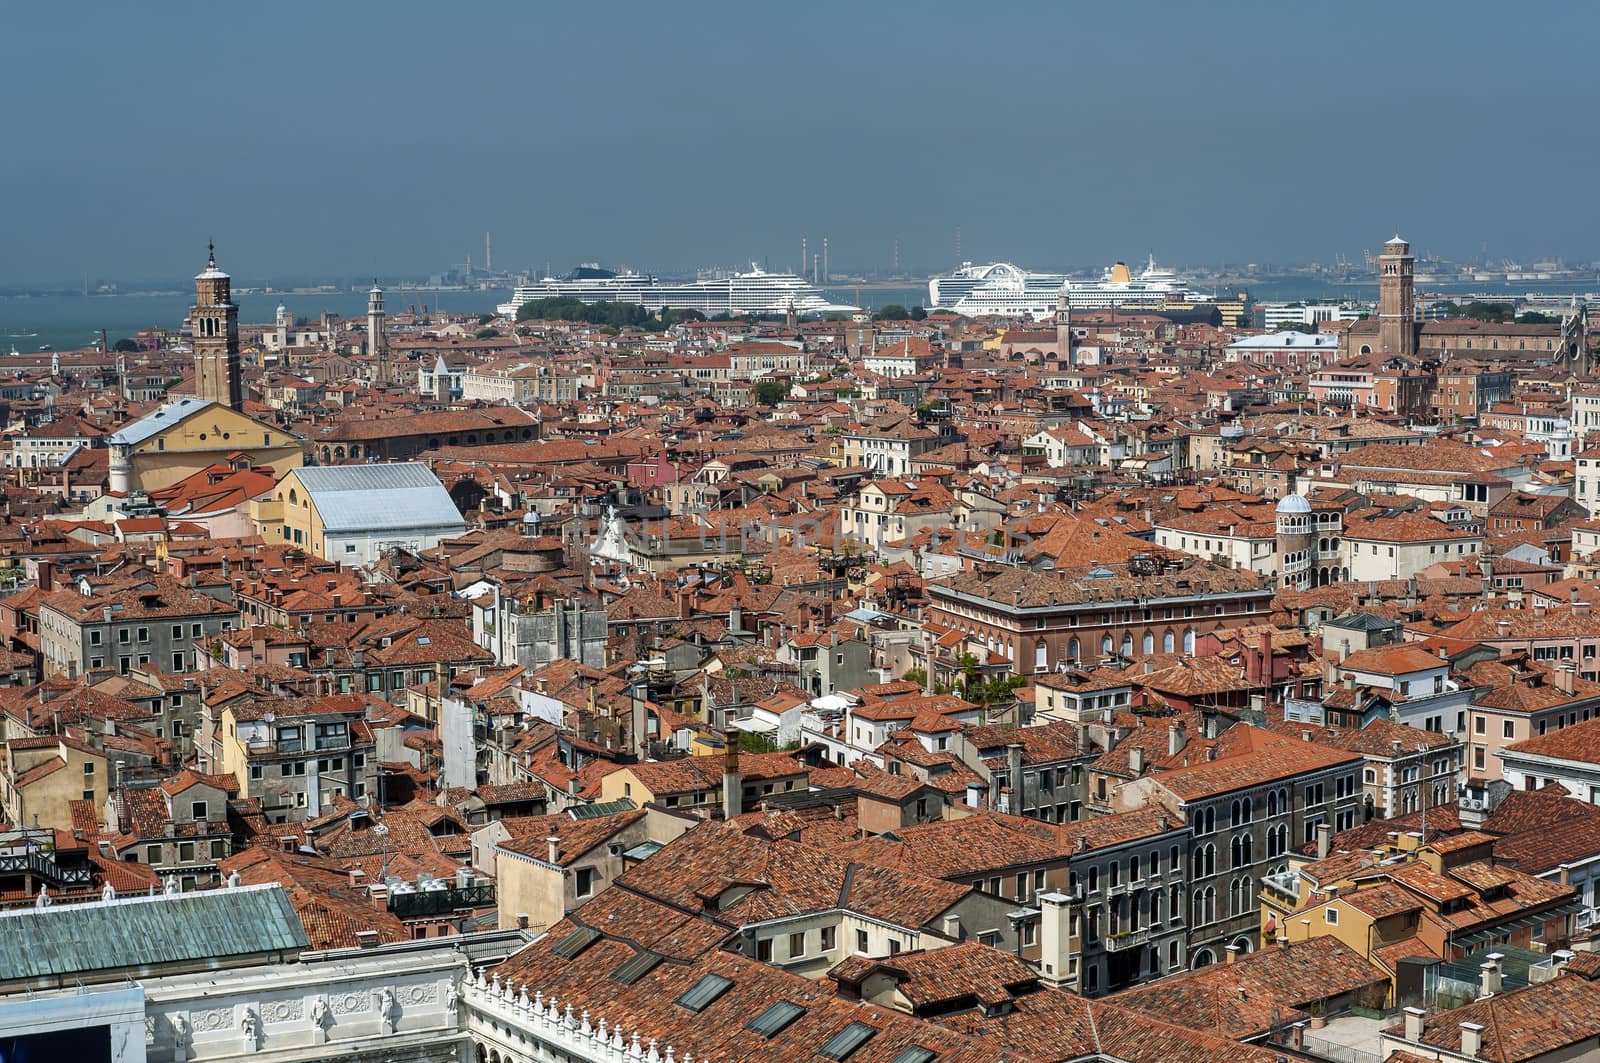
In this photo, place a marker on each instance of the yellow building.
(188, 435)
(352, 513)
(42, 775)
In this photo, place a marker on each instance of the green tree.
(771, 392)
(1298, 326)
(918, 676)
(126, 346)
(1499, 313)
(891, 312)
(486, 333)
(484, 319)
(918, 313)
(1533, 317)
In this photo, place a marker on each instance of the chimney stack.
(732, 780)
(1491, 977)
(1471, 1039)
(1055, 932)
(1414, 1017)
(553, 849)
(1324, 840)
(1014, 776)
(1177, 738)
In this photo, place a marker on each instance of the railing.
(1127, 939)
(424, 903)
(44, 866)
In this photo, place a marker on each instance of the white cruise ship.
(999, 288)
(1004, 290)
(1117, 287)
(755, 292)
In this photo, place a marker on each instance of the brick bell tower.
(214, 323)
(1397, 317)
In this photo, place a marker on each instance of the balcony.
(434, 902)
(1128, 939)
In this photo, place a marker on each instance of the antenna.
(488, 255)
(958, 243)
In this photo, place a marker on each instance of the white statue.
(171, 888)
(451, 996)
(43, 899)
(108, 892)
(180, 1030)
(320, 1014)
(386, 1009)
(250, 1026)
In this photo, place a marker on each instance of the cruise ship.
(1155, 288)
(755, 292)
(999, 288)
(1004, 290)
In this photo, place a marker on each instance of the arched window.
(1247, 846)
(1105, 646)
(1233, 897)
(1188, 641)
(1167, 642)
(1133, 868)
(1040, 656)
(1073, 650)
(1233, 813)
(1148, 643)
(1211, 820)
(1127, 645)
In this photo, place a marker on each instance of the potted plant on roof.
(1319, 1014)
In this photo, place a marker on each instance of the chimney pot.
(553, 848)
(1471, 1039)
(1414, 1017)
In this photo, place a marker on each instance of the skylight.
(847, 1040)
(705, 992)
(775, 1019)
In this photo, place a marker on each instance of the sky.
(349, 139)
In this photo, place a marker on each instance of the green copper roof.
(67, 939)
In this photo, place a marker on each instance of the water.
(68, 322)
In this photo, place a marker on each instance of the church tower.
(1064, 328)
(1397, 319)
(214, 322)
(377, 338)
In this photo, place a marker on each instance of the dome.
(1293, 504)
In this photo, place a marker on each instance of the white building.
(365, 509)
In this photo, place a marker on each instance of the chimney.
(1580, 608)
(1566, 677)
(1502, 629)
(1324, 840)
(1414, 1017)
(1136, 761)
(950, 925)
(732, 780)
(1471, 1039)
(47, 576)
(1233, 954)
(366, 939)
(685, 605)
(553, 849)
(1055, 932)
(1014, 770)
(1177, 738)
(1491, 976)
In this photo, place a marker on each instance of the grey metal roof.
(162, 418)
(404, 496)
(68, 939)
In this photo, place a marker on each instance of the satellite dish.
(269, 717)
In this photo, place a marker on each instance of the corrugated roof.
(147, 931)
(400, 496)
(160, 420)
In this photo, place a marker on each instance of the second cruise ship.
(1004, 290)
(755, 292)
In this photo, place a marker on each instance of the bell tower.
(1397, 318)
(214, 323)
(377, 338)
(1064, 351)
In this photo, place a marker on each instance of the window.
(1330, 916)
(764, 950)
(152, 854)
(1508, 729)
(894, 946)
(862, 942)
(797, 946)
(198, 810)
(829, 938)
(585, 883)
(88, 767)
(1480, 725)
(186, 852)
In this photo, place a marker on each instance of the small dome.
(1293, 504)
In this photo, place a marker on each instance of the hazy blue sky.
(353, 138)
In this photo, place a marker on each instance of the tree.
(891, 312)
(771, 392)
(484, 319)
(126, 346)
(918, 676)
(486, 333)
(1298, 326)
(1533, 317)
(1499, 313)
(918, 313)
